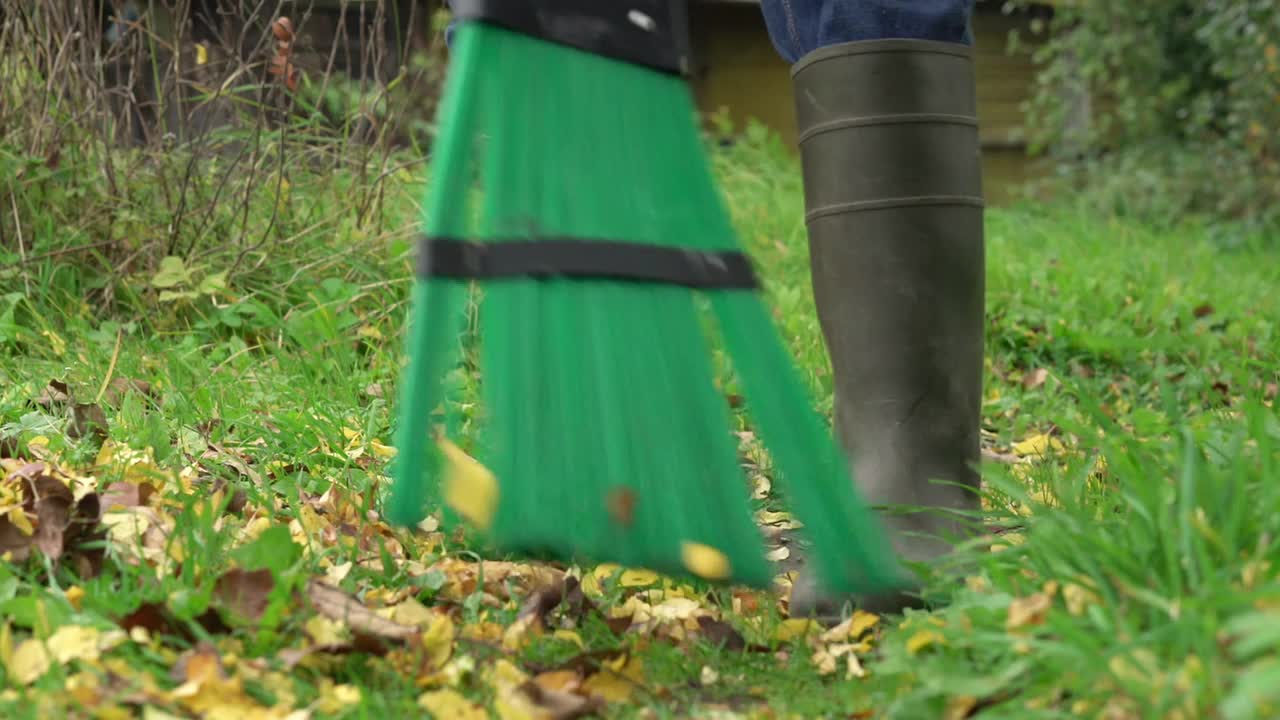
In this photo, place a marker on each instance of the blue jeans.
(798, 27)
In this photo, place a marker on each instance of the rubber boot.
(893, 199)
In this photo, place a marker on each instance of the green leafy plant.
(1164, 108)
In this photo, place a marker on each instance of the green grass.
(1157, 572)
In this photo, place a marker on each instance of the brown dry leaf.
(1035, 378)
(123, 495)
(1028, 611)
(54, 394)
(559, 705)
(47, 517)
(87, 420)
(244, 594)
(620, 503)
(462, 577)
(722, 634)
(119, 387)
(338, 605)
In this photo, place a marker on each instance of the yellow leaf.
(382, 451)
(571, 636)
(792, 628)
(450, 704)
(708, 676)
(30, 661)
(638, 578)
(616, 681)
(337, 573)
(437, 639)
(325, 631)
(74, 642)
(778, 554)
(75, 595)
(562, 680)
(483, 631)
(202, 54)
(1077, 598)
(923, 639)
(705, 561)
(1038, 445)
(960, 707)
(56, 343)
(516, 634)
(469, 487)
(412, 612)
(333, 698)
(1030, 610)
(861, 622)
(850, 629)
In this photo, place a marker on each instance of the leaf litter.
(324, 578)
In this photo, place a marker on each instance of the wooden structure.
(737, 71)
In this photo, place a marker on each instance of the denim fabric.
(798, 27)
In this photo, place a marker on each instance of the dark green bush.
(1182, 100)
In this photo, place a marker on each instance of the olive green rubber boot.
(893, 198)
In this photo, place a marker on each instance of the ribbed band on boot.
(872, 94)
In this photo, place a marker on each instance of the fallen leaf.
(705, 561)
(1078, 598)
(778, 554)
(1035, 378)
(244, 594)
(923, 639)
(119, 387)
(76, 642)
(338, 605)
(721, 634)
(1026, 611)
(638, 578)
(87, 420)
(450, 705)
(334, 698)
(1038, 445)
(469, 487)
(616, 680)
(708, 675)
(29, 662)
(792, 628)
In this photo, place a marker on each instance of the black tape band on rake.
(600, 259)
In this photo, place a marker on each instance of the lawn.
(194, 450)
